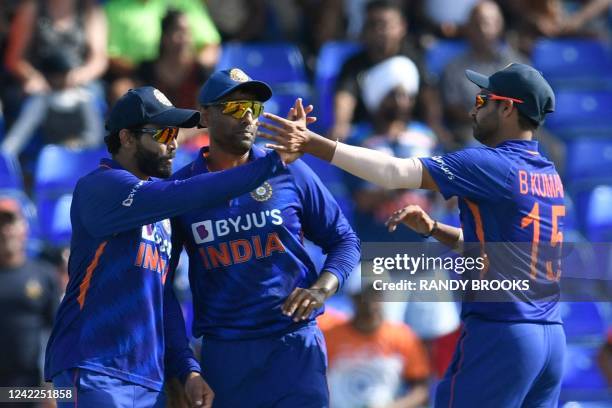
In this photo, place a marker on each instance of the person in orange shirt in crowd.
(374, 362)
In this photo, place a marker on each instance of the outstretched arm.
(375, 167)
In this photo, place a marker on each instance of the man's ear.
(507, 108)
(204, 112)
(126, 138)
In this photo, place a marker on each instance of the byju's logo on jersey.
(203, 232)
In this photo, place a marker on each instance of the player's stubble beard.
(486, 128)
(153, 164)
(236, 143)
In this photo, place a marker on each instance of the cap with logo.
(147, 105)
(522, 82)
(223, 82)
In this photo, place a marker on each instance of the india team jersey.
(117, 317)
(509, 194)
(247, 255)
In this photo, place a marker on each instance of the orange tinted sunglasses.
(481, 99)
(164, 135)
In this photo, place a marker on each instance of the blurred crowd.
(65, 61)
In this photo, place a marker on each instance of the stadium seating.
(331, 58)
(580, 113)
(583, 378)
(574, 63)
(599, 214)
(589, 162)
(10, 173)
(440, 53)
(279, 64)
(57, 172)
(582, 320)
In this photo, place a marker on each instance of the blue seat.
(582, 320)
(279, 64)
(331, 57)
(582, 372)
(10, 172)
(57, 172)
(580, 112)
(589, 161)
(575, 63)
(599, 214)
(440, 53)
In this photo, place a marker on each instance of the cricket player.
(510, 354)
(112, 340)
(256, 292)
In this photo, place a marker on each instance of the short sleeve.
(477, 173)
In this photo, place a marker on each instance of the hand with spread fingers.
(291, 133)
(413, 217)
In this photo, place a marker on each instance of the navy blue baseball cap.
(522, 82)
(226, 81)
(144, 105)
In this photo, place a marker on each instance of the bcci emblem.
(262, 193)
(161, 98)
(238, 75)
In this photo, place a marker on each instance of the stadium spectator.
(443, 18)
(486, 53)
(135, 31)
(374, 362)
(65, 114)
(176, 71)
(556, 18)
(41, 27)
(29, 296)
(239, 20)
(389, 91)
(604, 358)
(383, 36)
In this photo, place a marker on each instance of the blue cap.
(146, 105)
(224, 82)
(522, 82)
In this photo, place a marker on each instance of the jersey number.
(556, 238)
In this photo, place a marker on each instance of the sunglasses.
(164, 135)
(481, 99)
(237, 109)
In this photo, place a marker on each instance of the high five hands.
(291, 133)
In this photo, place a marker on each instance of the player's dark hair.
(526, 123)
(383, 5)
(112, 142)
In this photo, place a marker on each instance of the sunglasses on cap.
(237, 109)
(163, 135)
(481, 99)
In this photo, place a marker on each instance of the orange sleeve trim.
(84, 287)
(477, 220)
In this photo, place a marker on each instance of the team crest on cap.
(161, 97)
(262, 193)
(238, 75)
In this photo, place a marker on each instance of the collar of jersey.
(522, 144)
(201, 166)
(110, 163)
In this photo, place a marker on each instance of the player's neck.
(218, 159)
(130, 165)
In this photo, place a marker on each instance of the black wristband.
(433, 229)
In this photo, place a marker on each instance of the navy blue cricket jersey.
(113, 318)
(509, 194)
(247, 255)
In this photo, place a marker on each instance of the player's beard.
(237, 143)
(486, 129)
(153, 164)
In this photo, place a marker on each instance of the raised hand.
(412, 216)
(291, 134)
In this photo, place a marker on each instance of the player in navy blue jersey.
(510, 353)
(256, 292)
(113, 339)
